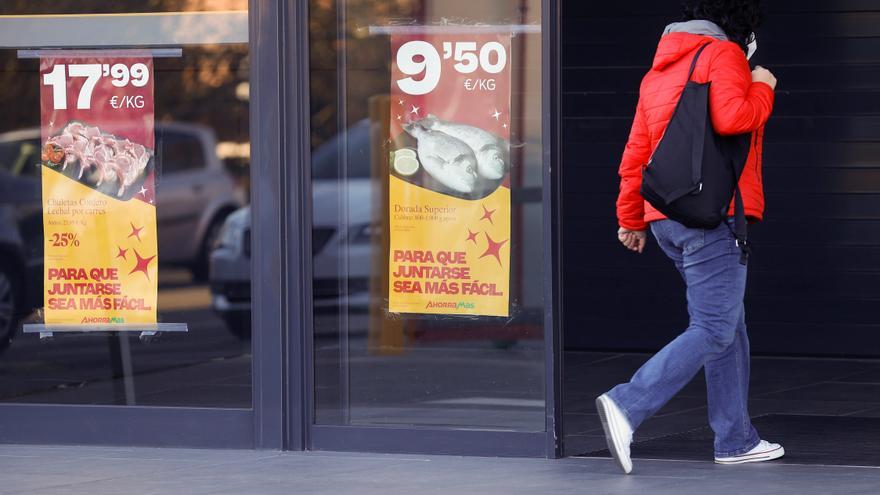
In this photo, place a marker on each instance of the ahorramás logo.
(449, 305)
(109, 320)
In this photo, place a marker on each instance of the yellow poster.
(449, 256)
(449, 186)
(91, 279)
(98, 185)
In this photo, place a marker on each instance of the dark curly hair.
(738, 18)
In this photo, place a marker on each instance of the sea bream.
(447, 159)
(491, 151)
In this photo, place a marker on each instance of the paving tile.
(802, 386)
(870, 376)
(575, 360)
(867, 413)
(583, 443)
(760, 406)
(240, 472)
(776, 375)
(575, 423)
(587, 405)
(831, 391)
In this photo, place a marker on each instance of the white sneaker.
(618, 432)
(764, 451)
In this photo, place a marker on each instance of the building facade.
(346, 217)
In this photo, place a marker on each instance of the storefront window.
(190, 136)
(427, 227)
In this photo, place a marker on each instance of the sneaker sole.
(770, 455)
(610, 438)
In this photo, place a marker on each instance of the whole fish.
(448, 160)
(491, 151)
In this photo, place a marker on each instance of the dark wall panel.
(814, 285)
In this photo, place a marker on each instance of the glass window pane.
(446, 367)
(28, 7)
(180, 150)
(201, 112)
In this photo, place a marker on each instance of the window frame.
(261, 425)
(426, 440)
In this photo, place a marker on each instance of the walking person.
(711, 45)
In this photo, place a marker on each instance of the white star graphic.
(400, 101)
(151, 201)
(143, 191)
(399, 117)
(414, 110)
(496, 114)
(504, 126)
(51, 123)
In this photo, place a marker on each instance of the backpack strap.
(741, 227)
(697, 152)
(740, 222)
(694, 62)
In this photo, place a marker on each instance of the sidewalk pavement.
(39, 470)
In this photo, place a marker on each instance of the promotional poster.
(98, 185)
(449, 191)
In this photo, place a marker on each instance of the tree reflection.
(29, 7)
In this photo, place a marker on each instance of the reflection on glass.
(373, 367)
(34, 7)
(202, 145)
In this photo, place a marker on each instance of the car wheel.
(200, 269)
(8, 306)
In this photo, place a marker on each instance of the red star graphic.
(123, 253)
(472, 236)
(142, 264)
(135, 232)
(487, 214)
(494, 249)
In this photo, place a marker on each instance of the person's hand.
(763, 75)
(634, 240)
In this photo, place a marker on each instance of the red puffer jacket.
(736, 104)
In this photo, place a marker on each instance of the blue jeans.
(716, 339)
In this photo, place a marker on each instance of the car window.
(179, 151)
(20, 158)
(325, 158)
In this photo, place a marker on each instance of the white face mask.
(753, 47)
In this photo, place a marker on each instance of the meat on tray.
(114, 159)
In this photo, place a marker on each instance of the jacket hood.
(682, 38)
(675, 46)
(697, 26)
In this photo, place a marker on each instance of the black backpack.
(694, 172)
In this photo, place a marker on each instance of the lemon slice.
(406, 165)
(405, 152)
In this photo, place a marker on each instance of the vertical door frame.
(272, 294)
(552, 201)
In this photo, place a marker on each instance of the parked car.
(341, 258)
(21, 234)
(195, 195)
(230, 273)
